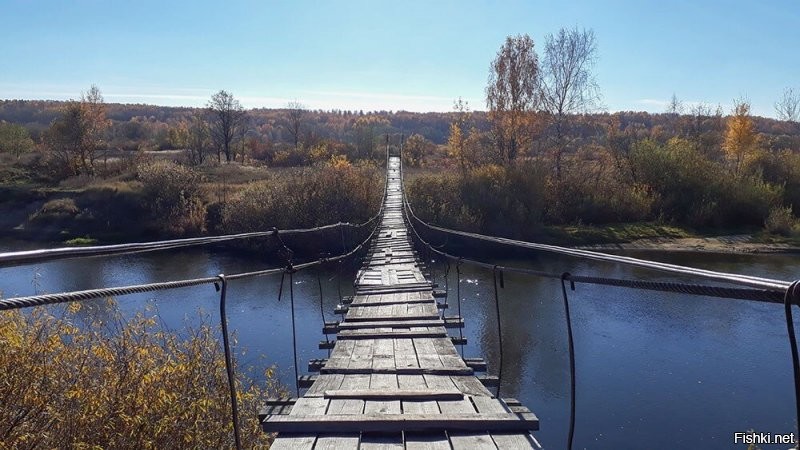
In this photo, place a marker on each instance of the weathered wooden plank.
(423, 407)
(337, 442)
(382, 407)
(470, 385)
(488, 405)
(309, 406)
(355, 381)
(380, 382)
(394, 423)
(345, 406)
(513, 440)
(436, 381)
(399, 394)
(411, 382)
(391, 334)
(361, 358)
(394, 323)
(294, 442)
(420, 441)
(471, 441)
(368, 303)
(400, 370)
(381, 442)
(481, 440)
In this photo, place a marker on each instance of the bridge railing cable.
(28, 256)
(220, 282)
(758, 288)
(223, 280)
(746, 280)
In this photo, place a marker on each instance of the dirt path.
(720, 244)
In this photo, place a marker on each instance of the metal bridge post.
(228, 363)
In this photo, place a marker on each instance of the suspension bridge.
(394, 377)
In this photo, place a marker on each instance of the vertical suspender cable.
(228, 363)
(322, 308)
(790, 297)
(458, 299)
(447, 284)
(290, 271)
(499, 328)
(565, 276)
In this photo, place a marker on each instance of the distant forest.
(540, 156)
(134, 126)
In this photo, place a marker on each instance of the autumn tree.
(567, 85)
(76, 137)
(296, 111)
(15, 139)
(367, 128)
(457, 141)
(95, 123)
(198, 139)
(675, 106)
(511, 94)
(193, 136)
(788, 105)
(620, 145)
(178, 135)
(416, 148)
(227, 124)
(741, 138)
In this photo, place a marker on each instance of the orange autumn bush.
(69, 382)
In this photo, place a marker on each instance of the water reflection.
(654, 370)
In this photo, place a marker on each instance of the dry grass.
(80, 379)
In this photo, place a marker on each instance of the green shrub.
(60, 209)
(307, 197)
(696, 191)
(490, 199)
(173, 196)
(781, 221)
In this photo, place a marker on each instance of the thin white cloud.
(197, 97)
(653, 102)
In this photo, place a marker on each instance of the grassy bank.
(575, 235)
(158, 199)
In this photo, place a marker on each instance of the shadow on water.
(654, 370)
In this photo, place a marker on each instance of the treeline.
(545, 161)
(216, 180)
(133, 125)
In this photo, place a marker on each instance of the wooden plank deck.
(394, 378)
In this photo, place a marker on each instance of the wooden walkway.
(394, 379)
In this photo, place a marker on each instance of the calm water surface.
(654, 370)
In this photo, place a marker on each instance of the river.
(654, 370)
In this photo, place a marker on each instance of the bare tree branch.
(788, 106)
(227, 122)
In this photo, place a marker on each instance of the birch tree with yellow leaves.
(741, 138)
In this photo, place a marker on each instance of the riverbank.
(654, 236)
(742, 243)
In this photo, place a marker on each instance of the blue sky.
(412, 55)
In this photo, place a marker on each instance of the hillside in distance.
(136, 124)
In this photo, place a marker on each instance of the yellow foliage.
(127, 384)
(340, 162)
(741, 138)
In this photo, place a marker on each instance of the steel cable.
(571, 347)
(48, 299)
(747, 280)
(223, 318)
